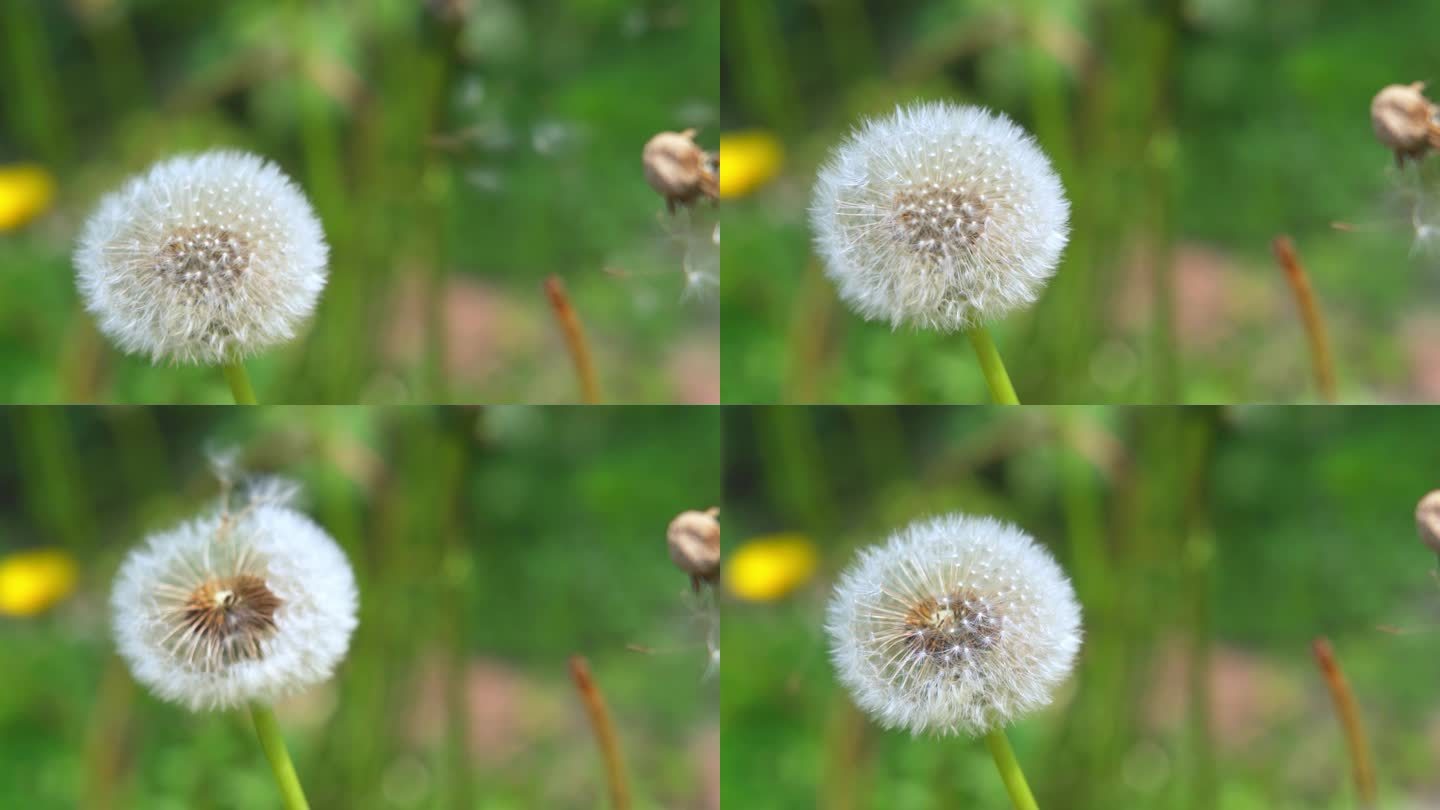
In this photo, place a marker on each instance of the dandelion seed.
(1427, 234)
(697, 266)
(235, 607)
(203, 259)
(941, 216)
(956, 625)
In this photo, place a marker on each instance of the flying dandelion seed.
(940, 216)
(955, 625)
(236, 606)
(700, 265)
(203, 259)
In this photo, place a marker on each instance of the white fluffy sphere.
(235, 607)
(941, 216)
(955, 625)
(203, 259)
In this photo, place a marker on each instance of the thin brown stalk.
(1309, 313)
(574, 340)
(604, 731)
(1349, 711)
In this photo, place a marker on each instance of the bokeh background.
(458, 153)
(1208, 547)
(489, 546)
(1188, 134)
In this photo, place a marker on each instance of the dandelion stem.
(1309, 313)
(1001, 391)
(574, 339)
(1010, 772)
(1349, 711)
(269, 733)
(604, 732)
(239, 380)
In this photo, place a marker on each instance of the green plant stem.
(1001, 391)
(1010, 772)
(239, 380)
(269, 733)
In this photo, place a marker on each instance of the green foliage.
(1208, 548)
(454, 166)
(489, 546)
(1188, 135)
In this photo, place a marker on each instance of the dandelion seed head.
(237, 606)
(955, 625)
(202, 259)
(939, 215)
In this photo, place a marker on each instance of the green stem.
(1010, 772)
(1001, 391)
(269, 733)
(239, 383)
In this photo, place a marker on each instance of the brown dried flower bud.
(1405, 121)
(679, 170)
(1427, 520)
(694, 540)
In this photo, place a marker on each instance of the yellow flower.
(25, 192)
(768, 568)
(748, 160)
(32, 581)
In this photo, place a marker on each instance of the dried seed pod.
(694, 540)
(1405, 121)
(1427, 520)
(680, 170)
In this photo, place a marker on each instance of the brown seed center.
(232, 614)
(199, 258)
(938, 220)
(954, 627)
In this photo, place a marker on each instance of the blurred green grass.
(454, 162)
(1188, 134)
(1208, 548)
(489, 547)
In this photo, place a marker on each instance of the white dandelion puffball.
(236, 607)
(203, 259)
(940, 216)
(955, 625)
